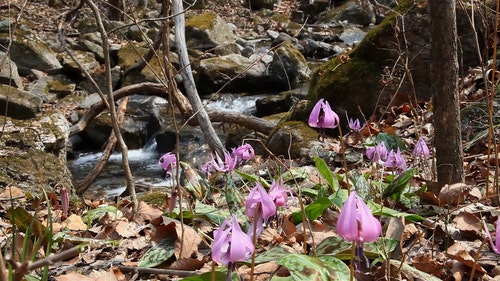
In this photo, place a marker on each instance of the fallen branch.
(159, 90)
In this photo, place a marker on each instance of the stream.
(144, 162)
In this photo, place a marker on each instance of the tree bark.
(444, 87)
(192, 93)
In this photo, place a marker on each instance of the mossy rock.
(292, 139)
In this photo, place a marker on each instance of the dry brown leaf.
(145, 214)
(11, 192)
(430, 265)
(187, 264)
(126, 229)
(186, 237)
(74, 222)
(454, 194)
(465, 252)
(262, 272)
(73, 276)
(468, 222)
(138, 243)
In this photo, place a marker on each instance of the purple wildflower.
(168, 161)
(231, 244)
(421, 149)
(322, 116)
(378, 153)
(244, 152)
(225, 165)
(495, 246)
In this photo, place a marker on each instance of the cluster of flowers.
(231, 244)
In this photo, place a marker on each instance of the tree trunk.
(192, 93)
(444, 87)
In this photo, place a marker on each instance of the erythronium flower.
(378, 153)
(168, 161)
(260, 207)
(355, 125)
(225, 165)
(259, 203)
(421, 149)
(356, 222)
(322, 116)
(207, 168)
(64, 201)
(495, 246)
(244, 152)
(278, 192)
(395, 160)
(231, 244)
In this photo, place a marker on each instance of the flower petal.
(331, 119)
(370, 226)
(347, 225)
(241, 246)
(314, 116)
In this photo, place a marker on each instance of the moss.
(204, 21)
(156, 198)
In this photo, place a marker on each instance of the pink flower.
(395, 160)
(278, 193)
(495, 246)
(259, 203)
(355, 125)
(225, 165)
(231, 244)
(64, 201)
(168, 161)
(356, 222)
(322, 116)
(421, 149)
(377, 154)
(244, 152)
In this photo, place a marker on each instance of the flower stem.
(351, 264)
(255, 221)
(344, 160)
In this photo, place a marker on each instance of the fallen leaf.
(145, 214)
(465, 252)
(74, 222)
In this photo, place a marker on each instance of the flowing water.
(144, 162)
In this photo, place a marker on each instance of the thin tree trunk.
(192, 93)
(444, 86)
(111, 101)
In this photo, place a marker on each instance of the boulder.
(208, 31)
(244, 74)
(21, 104)
(29, 51)
(34, 153)
(363, 80)
(292, 139)
(86, 59)
(289, 67)
(260, 4)
(8, 72)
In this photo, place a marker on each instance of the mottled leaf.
(158, 254)
(313, 210)
(304, 267)
(274, 253)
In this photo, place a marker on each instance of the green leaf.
(313, 211)
(335, 246)
(215, 215)
(94, 214)
(304, 267)
(297, 173)
(391, 141)
(325, 172)
(274, 253)
(380, 210)
(338, 199)
(158, 254)
(28, 224)
(253, 178)
(398, 185)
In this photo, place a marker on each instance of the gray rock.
(52, 87)
(21, 104)
(208, 31)
(273, 104)
(29, 51)
(86, 59)
(289, 67)
(260, 4)
(34, 153)
(8, 72)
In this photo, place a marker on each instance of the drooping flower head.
(278, 192)
(259, 207)
(355, 125)
(356, 222)
(259, 203)
(244, 152)
(378, 153)
(225, 165)
(395, 160)
(64, 201)
(495, 246)
(421, 149)
(231, 244)
(168, 161)
(322, 116)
